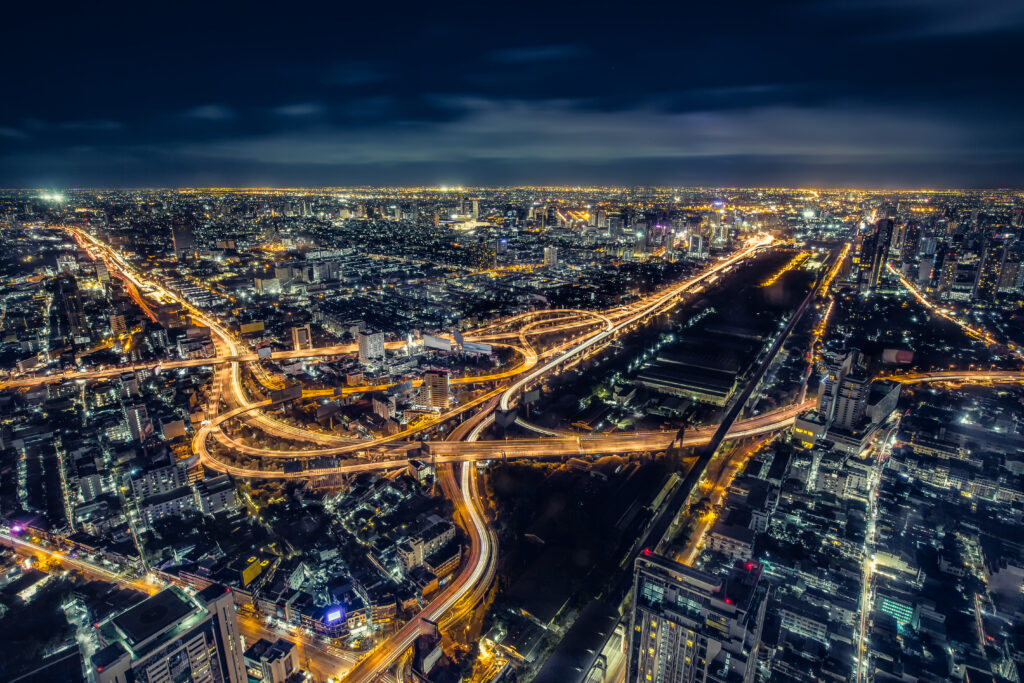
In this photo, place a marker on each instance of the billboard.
(334, 615)
(264, 352)
(439, 343)
(287, 394)
(249, 328)
(476, 347)
(897, 356)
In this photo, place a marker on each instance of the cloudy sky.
(877, 93)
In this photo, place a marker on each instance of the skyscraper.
(842, 394)
(181, 234)
(990, 270)
(691, 626)
(550, 257)
(883, 240)
(950, 263)
(172, 636)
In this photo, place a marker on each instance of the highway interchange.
(459, 481)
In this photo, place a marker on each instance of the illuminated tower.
(883, 240)
(990, 270)
(181, 234)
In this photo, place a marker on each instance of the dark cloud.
(211, 112)
(876, 91)
(540, 53)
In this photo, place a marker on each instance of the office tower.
(670, 244)
(865, 260)
(302, 338)
(118, 326)
(641, 241)
(690, 626)
(434, 391)
(950, 262)
(102, 274)
(1011, 270)
(990, 270)
(172, 636)
(852, 400)
(476, 209)
(911, 242)
(371, 346)
(924, 270)
(181, 234)
(698, 248)
(883, 240)
(550, 257)
(830, 391)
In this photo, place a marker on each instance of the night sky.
(871, 93)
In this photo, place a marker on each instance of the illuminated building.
(371, 346)
(690, 626)
(434, 391)
(550, 257)
(172, 636)
(181, 235)
(698, 248)
(990, 271)
(883, 240)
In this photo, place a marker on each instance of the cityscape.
(529, 434)
(468, 343)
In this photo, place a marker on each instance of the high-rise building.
(911, 242)
(371, 346)
(172, 636)
(698, 248)
(302, 338)
(550, 257)
(852, 400)
(947, 274)
(181, 234)
(831, 391)
(990, 270)
(883, 240)
(1010, 280)
(476, 209)
(434, 391)
(690, 626)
